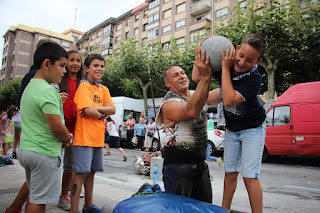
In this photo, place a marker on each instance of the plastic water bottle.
(155, 174)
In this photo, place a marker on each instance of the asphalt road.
(290, 184)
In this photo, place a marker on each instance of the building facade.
(20, 43)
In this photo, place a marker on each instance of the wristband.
(103, 116)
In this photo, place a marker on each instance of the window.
(99, 34)
(107, 30)
(136, 31)
(181, 7)
(153, 33)
(166, 1)
(106, 42)
(180, 24)
(137, 17)
(128, 22)
(202, 17)
(75, 38)
(65, 44)
(145, 27)
(127, 35)
(118, 39)
(218, 0)
(118, 27)
(56, 40)
(278, 116)
(166, 46)
(222, 13)
(167, 14)
(42, 37)
(180, 42)
(153, 17)
(166, 29)
(154, 4)
(93, 37)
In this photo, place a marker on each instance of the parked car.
(293, 122)
(215, 137)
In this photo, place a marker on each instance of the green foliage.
(9, 93)
(292, 40)
(127, 71)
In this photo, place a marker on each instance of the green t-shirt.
(39, 98)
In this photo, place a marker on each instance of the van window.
(278, 116)
(136, 115)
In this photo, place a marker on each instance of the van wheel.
(155, 145)
(212, 148)
(265, 155)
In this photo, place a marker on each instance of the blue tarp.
(165, 202)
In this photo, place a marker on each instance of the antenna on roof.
(75, 18)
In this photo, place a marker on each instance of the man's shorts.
(243, 151)
(17, 127)
(43, 176)
(114, 140)
(88, 159)
(68, 159)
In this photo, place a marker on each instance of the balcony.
(200, 7)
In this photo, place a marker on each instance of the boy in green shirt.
(43, 133)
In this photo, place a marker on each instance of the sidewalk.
(109, 189)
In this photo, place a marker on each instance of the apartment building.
(20, 43)
(155, 20)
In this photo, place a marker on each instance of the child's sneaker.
(92, 209)
(144, 189)
(14, 155)
(219, 161)
(156, 188)
(64, 203)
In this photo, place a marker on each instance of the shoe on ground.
(19, 211)
(143, 190)
(125, 158)
(92, 209)
(14, 155)
(64, 203)
(156, 188)
(219, 161)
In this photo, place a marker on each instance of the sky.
(59, 15)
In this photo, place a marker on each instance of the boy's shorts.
(43, 176)
(88, 159)
(17, 127)
(115, 141)
(243, 151)
(68, 159)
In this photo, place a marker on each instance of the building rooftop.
(40, 31)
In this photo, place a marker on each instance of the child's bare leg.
(76, 190)
(6, 148)
(255, 194)
(230, 185)
(88, 188)
(66, 183)
(31, 207)
(20, 199)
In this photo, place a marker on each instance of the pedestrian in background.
(130, 130)
(140, 132)
(150, 130)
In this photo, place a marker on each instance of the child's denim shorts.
(243, 151)
(88, 159)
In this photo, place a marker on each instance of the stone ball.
(212, 46)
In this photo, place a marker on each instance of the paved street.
(289, 184)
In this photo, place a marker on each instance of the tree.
(290, 33)
(9, 93)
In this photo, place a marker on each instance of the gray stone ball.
(212, 46)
